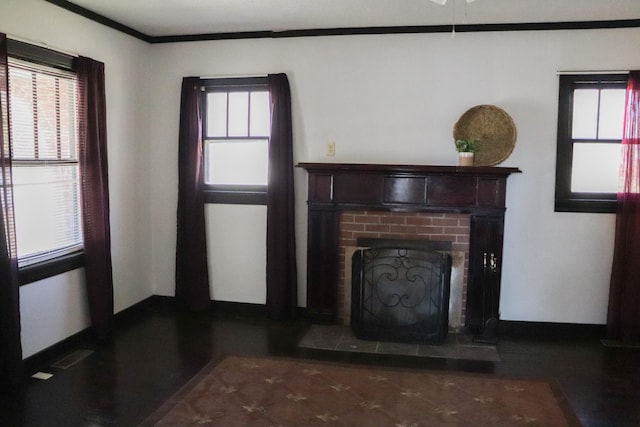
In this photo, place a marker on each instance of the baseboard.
(124, 318)
(121, 320)
(230, 307)
(549, 330)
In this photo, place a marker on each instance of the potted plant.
(466, 148)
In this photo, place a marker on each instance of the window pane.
(585, 114)
(217, 114)
(595, 168)
(611, 113)
(47, 206)
(236, 162)
(47, 123)
(68, 96)
(22, 121)
(239, 114)
(260, 114)
(43, 113)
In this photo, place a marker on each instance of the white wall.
(55, 308)
(383, 99)
(395, 99)
(236, 244)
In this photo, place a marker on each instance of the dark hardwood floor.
(157, 350)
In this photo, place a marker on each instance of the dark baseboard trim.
(122, 320)
(548, 330)
(229, 307)
(40, 359)
(258, 310)
(126, 317)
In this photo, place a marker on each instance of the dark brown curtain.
(11, 368)
(282, 287)
(192, 271)
(94, 187)
(623, 318)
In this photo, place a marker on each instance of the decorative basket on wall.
(492, 128)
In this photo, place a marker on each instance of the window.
(43, 123)
(590, 124)
(236, 134)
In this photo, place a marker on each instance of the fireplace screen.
(400, 294)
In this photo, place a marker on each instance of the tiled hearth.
(342, 338)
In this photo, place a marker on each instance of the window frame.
(59, 263)
(232, 194)
(565, 199)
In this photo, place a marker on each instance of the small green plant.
(466, 145)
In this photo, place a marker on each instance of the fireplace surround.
(477, 191)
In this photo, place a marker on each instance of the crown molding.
(348, 31)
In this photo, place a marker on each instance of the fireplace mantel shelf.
(408, 187)
(477, 191)
(412, 169)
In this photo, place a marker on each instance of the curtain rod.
(233, 76)
(41, 44)
(563, 72)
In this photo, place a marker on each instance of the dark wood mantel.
(478, 191)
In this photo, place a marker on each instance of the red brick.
(455, 230)
(403, 229)
(430, 230)
(345, 217)
(353, 227)
(446, 222)
(366, 219)
(379, 228)
(392, 219)
(419, 220)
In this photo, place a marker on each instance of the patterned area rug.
(248, 391)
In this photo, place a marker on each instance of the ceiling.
(157, 18)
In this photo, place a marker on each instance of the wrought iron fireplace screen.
(401, 294)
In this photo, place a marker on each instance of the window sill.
(49, 268)
(586, 206)
(236, 195)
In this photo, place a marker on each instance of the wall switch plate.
(331, 148)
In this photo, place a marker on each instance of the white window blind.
(44, 132)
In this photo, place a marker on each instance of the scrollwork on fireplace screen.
(401, 294)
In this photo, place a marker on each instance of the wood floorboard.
(151, 357)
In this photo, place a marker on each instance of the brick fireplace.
(446, 227)
(407, 202)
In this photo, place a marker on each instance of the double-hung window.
(590, 124)
(43, 123)
(236, 133)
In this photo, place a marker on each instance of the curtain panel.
(623, 317)
(192, 270)
(94, 188)
(282, 286)
(11, 366)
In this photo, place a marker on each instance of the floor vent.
(71, 359)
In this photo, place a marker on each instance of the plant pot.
(465, 159)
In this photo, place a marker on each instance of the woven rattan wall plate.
(492, 128)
